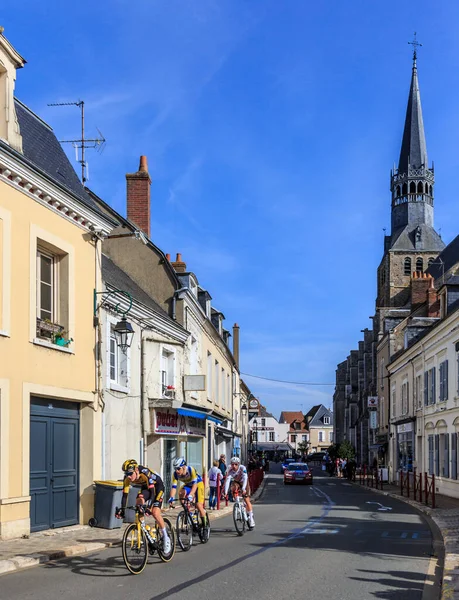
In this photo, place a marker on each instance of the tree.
(303, 447)
(333, 451)
(346, 450)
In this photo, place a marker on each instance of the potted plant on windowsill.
(61, 339)
(48, 330)
(169, 391)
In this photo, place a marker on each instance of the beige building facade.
(49, 407)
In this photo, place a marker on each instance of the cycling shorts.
(199, 495)
(239, 486)
(154, 496)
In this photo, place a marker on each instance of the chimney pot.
(143, 164)
(168, 257)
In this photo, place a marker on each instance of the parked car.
(316, 456)
(298, 473)
(287, 462)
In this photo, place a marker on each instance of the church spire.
(412, 184)
(414, 151)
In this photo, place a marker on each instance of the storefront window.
(405, 451)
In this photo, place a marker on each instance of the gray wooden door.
(54, 463)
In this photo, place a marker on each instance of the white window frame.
(321, 436)
(404, 397)
(168, 376)
(122, 360)
(54, 285)
(326, 420)
(271, 436)
(217, 382)
(210, 368)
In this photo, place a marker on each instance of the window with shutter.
(454, 455)
(437, 454)
(431, 454)
(426, 388)
(445, 469)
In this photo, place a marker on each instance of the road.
(320, 541)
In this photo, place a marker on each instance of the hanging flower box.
(48, 330)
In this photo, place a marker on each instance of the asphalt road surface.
(330, 540)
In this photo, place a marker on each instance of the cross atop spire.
(415, 45)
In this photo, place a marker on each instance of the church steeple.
(413, 152)
(412, 184)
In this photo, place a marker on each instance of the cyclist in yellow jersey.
(151, 493)
(193, 485)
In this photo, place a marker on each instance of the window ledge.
(4, 333)
(40, 342)
(209, 399)
(116, 387)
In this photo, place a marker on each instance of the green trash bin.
(107, 497)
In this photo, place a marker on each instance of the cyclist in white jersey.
(237, 476)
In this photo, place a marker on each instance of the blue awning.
(197, 414)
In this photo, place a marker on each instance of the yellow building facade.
(50, 430)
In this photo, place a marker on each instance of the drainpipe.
(145, 411)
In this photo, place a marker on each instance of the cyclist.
(237, 476)
(151, 494)
(192, 486)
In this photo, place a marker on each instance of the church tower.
(413, 243)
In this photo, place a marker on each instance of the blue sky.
(270, 129)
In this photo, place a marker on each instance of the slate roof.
(116, 277)
(43, 151)
(318, 413)
(413, 148)
(405, 239)
(445, 260)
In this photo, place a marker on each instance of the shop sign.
(263, 428)
(372, 401)
(405, 427)
(253, 403)
(168, 421)
(373, 420)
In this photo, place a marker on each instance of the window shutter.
(445, 385)
(446, 457)
(441, 381)
(454, 455)
(434, 381)
(426, 388)
(437, 454)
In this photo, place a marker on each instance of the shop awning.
(197, 414)
(275, 446)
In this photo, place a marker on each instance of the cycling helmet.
(179, 462)
(129, 465)
(235, 460)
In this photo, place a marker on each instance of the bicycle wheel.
(135, 549)
(184, 529)
(239, 521)
(204, 530)
(170, 532)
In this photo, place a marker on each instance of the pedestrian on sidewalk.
(214, 475)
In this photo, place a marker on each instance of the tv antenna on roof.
(82, 143)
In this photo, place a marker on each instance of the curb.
(450, 575)
(27, 561)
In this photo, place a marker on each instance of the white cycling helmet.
(179, 462)
(235, 460)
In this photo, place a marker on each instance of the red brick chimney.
(433, 301)
(236, 344)
(179, 265)
(420, 283)
(138, 197)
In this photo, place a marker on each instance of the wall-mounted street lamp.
(123, 329)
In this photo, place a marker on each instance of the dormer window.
(326, 420)
(193, 287)
(208, 309)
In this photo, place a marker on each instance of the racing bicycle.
(189, 523)
(240, 516)
(140, 540)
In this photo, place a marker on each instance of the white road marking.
(381, 507)
(271, 484)
(348, 484)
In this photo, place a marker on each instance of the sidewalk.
(446, 517)
(54, 544)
